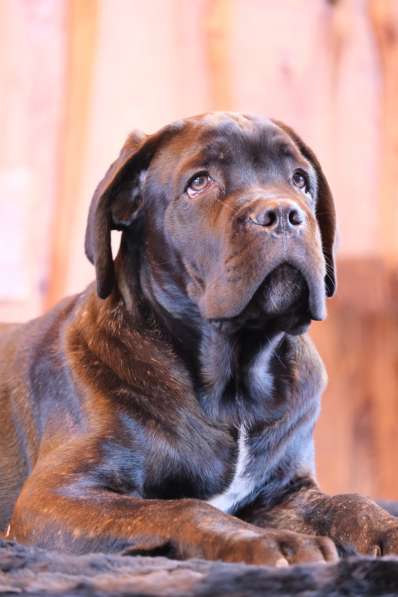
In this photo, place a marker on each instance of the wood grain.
(81, 31)
(356, 436)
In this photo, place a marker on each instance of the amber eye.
(300, 180)
(200, 182)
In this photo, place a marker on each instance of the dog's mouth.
(282, 300)
(287, 286)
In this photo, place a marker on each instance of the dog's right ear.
(116, 202)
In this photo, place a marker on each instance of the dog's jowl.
(169, 408)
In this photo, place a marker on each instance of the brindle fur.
(121, 407)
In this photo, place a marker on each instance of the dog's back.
(13, 465)
(25, 361)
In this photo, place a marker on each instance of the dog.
(170, 408)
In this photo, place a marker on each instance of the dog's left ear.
(325, 211)
(117, 200)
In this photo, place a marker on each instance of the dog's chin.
(283, 298)
(280, 302)
(284, 290)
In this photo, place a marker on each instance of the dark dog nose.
(278, 216)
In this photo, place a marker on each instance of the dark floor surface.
(31, 571)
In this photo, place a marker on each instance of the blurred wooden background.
(77, 75)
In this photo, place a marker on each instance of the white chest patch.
(241, 485)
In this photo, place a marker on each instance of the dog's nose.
(281, 216)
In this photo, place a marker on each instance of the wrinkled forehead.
(228, 137)
(233, 126)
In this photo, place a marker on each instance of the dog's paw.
(359, 522)
(277, 548)
(388, 542)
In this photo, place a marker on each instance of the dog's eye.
(300, 180)
(200, 182)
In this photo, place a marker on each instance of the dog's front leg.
(63, 506)
(351, 520)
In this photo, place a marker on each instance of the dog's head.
(232, 215)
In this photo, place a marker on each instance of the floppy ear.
(325, 211)
(116, 202)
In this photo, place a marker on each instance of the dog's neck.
(231, 367)
(237, 379)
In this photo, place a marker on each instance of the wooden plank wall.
(356, 436)
(32, 90)
(77, 75)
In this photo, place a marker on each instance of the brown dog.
(171, 411)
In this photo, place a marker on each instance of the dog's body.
(175, 413)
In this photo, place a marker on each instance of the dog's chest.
(215, 466)
(242, 484)
(223, 474)
(210, 459)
